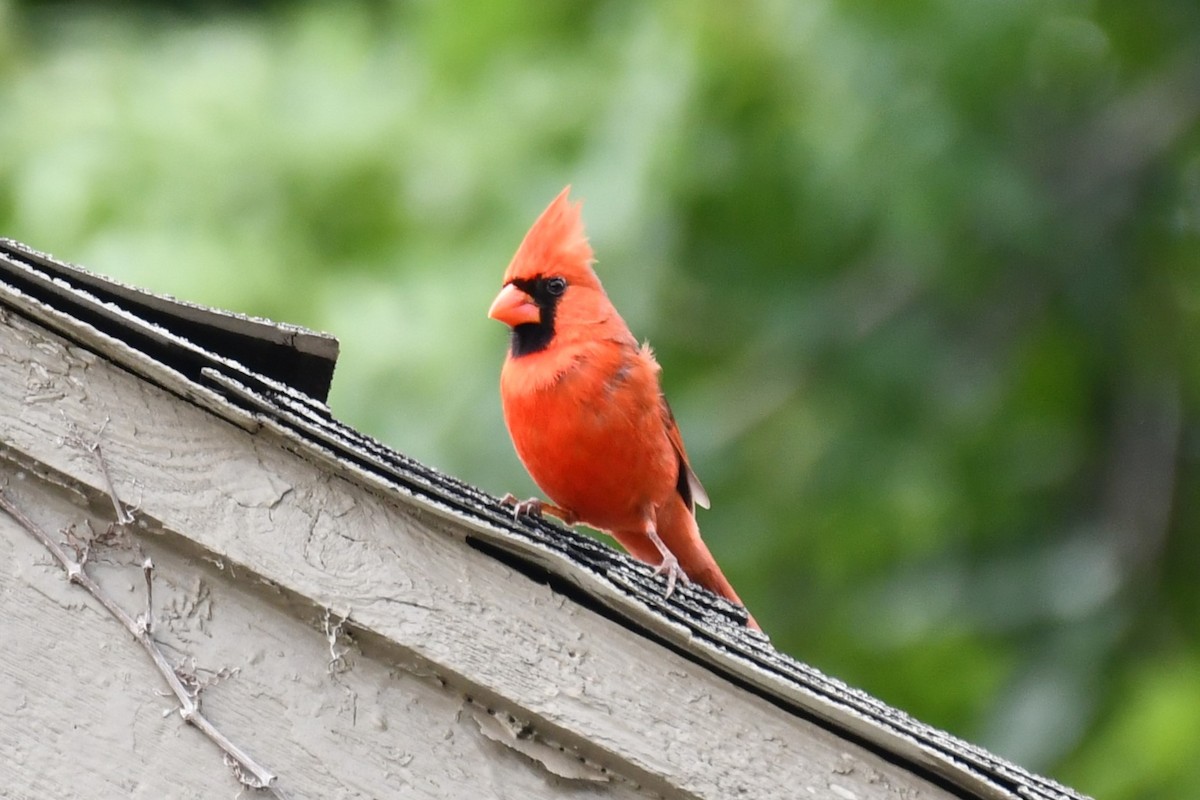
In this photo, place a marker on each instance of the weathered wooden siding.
(253, 543)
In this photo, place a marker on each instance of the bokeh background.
(924, 276)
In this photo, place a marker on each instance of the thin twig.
(148, 573)
(123, 516)
(248, 771)
(73, 567)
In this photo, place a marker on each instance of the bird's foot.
(536, 508)
(522, 508)
(670, 567)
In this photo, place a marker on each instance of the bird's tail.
(678, 530)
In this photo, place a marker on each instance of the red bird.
(585, 410)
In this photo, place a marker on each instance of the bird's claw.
(536, 509)
(523, 508)
(670, 567)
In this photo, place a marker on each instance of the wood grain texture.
(83, 713)
(441, 618)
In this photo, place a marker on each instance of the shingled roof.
(271, 380)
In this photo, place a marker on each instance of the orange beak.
(514, 307)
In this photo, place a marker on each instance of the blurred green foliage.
(924, 276)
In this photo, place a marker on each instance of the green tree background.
(924, 276)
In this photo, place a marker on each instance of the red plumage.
(585, 410)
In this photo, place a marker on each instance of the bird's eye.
(556, 286)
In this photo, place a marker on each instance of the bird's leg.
(533, 507)
(670, 564)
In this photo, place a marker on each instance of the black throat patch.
(533, 337)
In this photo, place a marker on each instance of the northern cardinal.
(585, 410)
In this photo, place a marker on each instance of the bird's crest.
(555, 245)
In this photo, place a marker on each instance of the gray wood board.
(412, 587)
(83, 712)
(291, 354)
(697, 625)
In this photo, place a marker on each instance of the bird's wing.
(688, 485)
